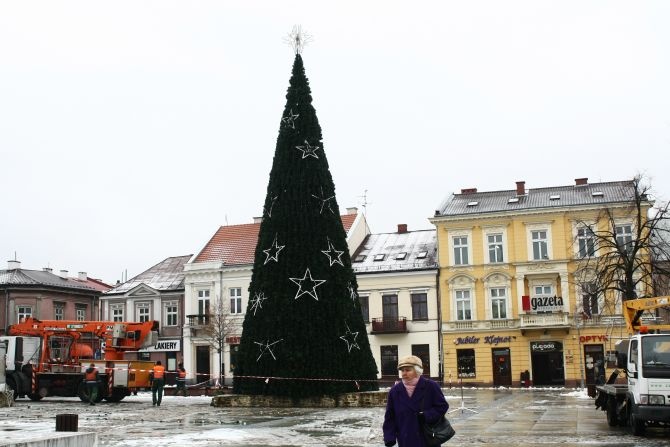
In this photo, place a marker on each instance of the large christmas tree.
(303, 332)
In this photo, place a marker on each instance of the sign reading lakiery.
(164, 345)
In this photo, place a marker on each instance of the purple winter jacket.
(401, 421)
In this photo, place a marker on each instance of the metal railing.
(389, 325)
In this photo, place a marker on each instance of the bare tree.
(619, 251)
(221, 324)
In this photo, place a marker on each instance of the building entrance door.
(502, 367)
(594, 363)
(547, 363)
(202, 364)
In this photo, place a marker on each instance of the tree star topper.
(308, 150)
(350, 339)
(311, 284)
(272, 253)
(297, 38)
(334, 256)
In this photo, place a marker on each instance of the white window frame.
(621, 225)
(584, 226)
(140, 312)
(23, 312)
(80, 313)
(463, 296)
(540, 226)
(468, 247)
(59, 312)
(235, 300)
(117, 312)
(504, 299)
(494, 231)
(204, 302)
(170, 309)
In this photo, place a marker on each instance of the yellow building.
(514, 310)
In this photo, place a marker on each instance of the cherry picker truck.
(644, 400)
(48, 357)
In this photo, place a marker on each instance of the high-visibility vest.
(91, 375)
(159, 372)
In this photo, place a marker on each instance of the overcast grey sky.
(130, 130)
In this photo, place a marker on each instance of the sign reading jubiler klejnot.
(163, 345)
(489, 339)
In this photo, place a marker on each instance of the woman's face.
(408, 372)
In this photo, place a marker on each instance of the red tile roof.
(236, 244)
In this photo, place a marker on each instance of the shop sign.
(233, 340)
(542, 303)
(470, 340)
(546, 346)
(495, 339)
(590, 338)
(163, 345)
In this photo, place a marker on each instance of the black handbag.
(437, 433)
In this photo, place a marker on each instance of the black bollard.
(67, 422)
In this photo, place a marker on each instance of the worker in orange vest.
(181, 380)
(157, 383)
(91, 382)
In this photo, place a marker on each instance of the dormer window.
(401, 256)
(380, 257)
(597, 194)
(360, 258)
(470, 204)
(555, 197)
(513, 200)
(421, 254)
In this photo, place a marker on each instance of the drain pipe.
(6, 328)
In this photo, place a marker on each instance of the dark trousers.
(157, 391)
(92, 391)
(181, 387)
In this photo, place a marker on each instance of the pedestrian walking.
(406, 400)
(91, 383)
(157, 383)
(181, 380)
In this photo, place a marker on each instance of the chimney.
(48, 269)
(13, 265)
(63, 274)
(581, 181)
(402, 228)
(468, 190)
(520, 188)
(83, 276)
(352, 210)
(258, 219)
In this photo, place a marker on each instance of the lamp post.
(579, 350)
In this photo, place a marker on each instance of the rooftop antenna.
(365, 203)
(297, 39)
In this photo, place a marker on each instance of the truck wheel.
(612, 418)
(35, 396)
(635, 426)
(117, 396)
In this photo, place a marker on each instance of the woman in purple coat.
(403, 408)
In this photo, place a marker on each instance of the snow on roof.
(384, 252)
(166, 275)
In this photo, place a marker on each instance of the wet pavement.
(505, 417)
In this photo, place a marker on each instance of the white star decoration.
(334, 256)
(267, 347)
(311, 284)
(289, 119)
(350, 339)
(352, 292)
(268, 211)
(257, 301)
(308, 150)
(272, 253)
(325, 202)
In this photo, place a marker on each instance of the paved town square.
(505, 417)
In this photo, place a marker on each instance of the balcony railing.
(197, 320)
(389, 325)
(544, 320)
(473, 325)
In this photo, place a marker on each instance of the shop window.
(234, 352)
(465, 362)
